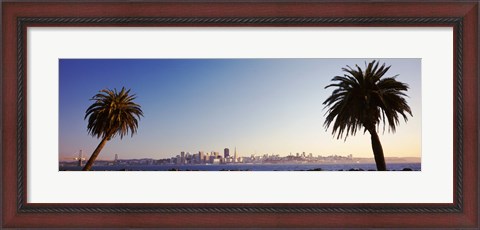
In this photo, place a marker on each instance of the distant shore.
(253, 167)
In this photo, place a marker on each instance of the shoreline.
(252, 167)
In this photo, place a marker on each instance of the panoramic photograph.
(272, 114)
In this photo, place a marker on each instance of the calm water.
(251, 167)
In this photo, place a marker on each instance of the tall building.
(182, 157)
(116, 159)
(80, 158)
(235, 155)
(226, 153)
(201, 156)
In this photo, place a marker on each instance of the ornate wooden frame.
(17, 16)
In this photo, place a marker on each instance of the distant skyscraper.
(80, 158)
(182, 157)
(201, 156)
(116, 159)
(226, 153)
(235, 155)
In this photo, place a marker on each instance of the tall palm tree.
(363, 99)
(112, 113)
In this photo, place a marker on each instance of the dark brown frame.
(462, 16)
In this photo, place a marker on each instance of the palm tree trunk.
(377, 150)
(95, 154)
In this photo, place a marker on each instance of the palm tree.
(363, 99)
(112, 113)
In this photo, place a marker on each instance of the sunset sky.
(259, 106)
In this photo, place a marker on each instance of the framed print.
(259, 114)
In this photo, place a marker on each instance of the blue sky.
(257, 105)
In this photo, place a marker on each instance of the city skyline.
(79, 154)
(186, 161)
(269, 106)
